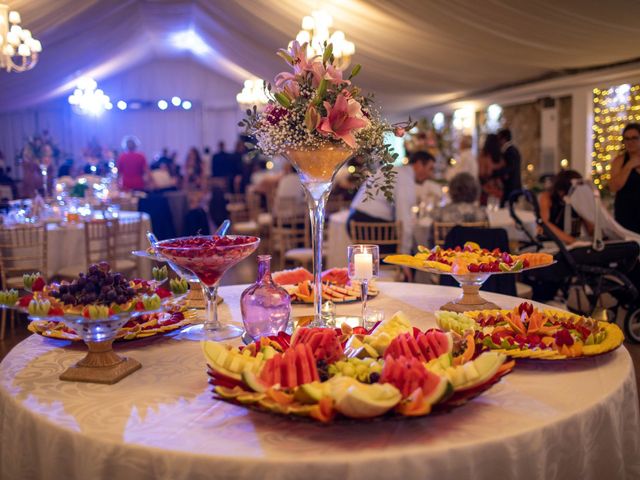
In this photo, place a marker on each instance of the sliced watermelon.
(338, 276)
(292, 277)
(324, 342)
(408, 374)
(290, 369)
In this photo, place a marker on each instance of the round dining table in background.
(66, 245)
(569, 419)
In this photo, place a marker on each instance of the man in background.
(510, 173)
(378, 209)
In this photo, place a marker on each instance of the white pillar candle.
(363, 266)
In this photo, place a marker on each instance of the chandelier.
(88, 99)
(252, 94)
(18, 49)
(315, 32)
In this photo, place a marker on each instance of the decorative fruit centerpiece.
(336, 285)
(394, 369)
(470, 259)
(97, 293)
(470, 265)
(527, 332)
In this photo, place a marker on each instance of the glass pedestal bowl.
(101, 364)
(209, 257)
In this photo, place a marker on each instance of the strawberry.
(38, 284)
(25, 301)
(163, 292)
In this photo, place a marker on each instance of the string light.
(613, 108)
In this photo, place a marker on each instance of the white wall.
(214, 115)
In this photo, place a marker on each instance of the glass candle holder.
(363, 266)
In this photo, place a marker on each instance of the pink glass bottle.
(265, 306)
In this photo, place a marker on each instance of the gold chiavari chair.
(128, 236)
(387, 235)
(100, 236)
(23, 249)
(291, 233)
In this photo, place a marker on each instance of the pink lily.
(342, 120)
(330, 73)
(288, 84)
(298, 53)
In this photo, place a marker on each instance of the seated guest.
(7, 181)
(552, 208)
(289, 192)
(161, 179)
(464, 191)
(132, 166)
(379, 209)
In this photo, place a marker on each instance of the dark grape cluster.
(98, 286)
(323, 370)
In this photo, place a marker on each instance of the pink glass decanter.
(265, 306)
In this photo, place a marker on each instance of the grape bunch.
(366, 370)
(98, 286)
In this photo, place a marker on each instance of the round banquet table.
(573, 419)
(66, 246)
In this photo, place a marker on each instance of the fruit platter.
(98, 293)
(528, 332)
(393, 370)
(336, 285)
(470, 265)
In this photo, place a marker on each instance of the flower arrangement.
(315, 106)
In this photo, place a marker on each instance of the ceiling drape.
(414, 52)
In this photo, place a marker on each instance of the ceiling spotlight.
(186, 105)
(162, 104)
(122, 105)
(176, 101)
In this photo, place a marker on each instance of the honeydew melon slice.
(387, 330)
(456, 322)
(230, 361)
(476, 372)
(360, 400)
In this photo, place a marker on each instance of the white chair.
(99, 241)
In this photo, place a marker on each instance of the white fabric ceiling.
(414, 53)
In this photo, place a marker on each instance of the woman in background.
(194, 171)
(552, 206)
(31, 174)
(132, 166)
(489, 160)
(625, 180)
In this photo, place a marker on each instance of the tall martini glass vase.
(317, 170)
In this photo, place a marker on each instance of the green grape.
(365, 370)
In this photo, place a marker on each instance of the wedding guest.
(48, 162)
(509, 174)
(489, 161)
(552, 207)
(6, 180)
(465, 160)
(193, 170)
(161, 179)
(220, 162)
(379, 209)
(31, 173)
(166, 159)
(132, 165)
(464, 191)
(206, 161)
(625, 180)
(289, 193)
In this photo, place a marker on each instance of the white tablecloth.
(65, 245)
(575, 419)
(502, 219)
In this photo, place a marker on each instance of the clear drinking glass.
(363, 266)
(209, 257)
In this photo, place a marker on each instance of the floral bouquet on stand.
(317, 118)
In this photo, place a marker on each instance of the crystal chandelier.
(252, 94)
(16, 41)
(315, 32)
(87, 98)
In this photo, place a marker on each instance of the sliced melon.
(387, 330)
(230, 361)
(437, 390)
(476, 372)
(359, 400)
(455, 322)
(310, 393)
